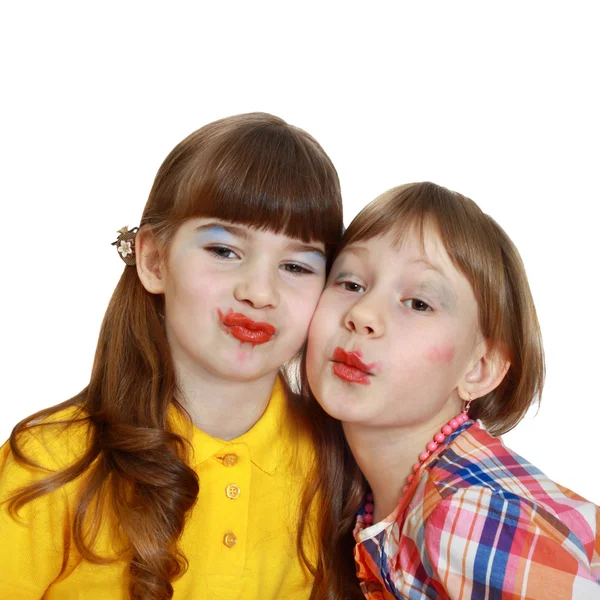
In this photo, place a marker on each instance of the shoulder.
(479, 471)
(566, 520)
(51, 443)
(503, 516)
(476, 459)
(493, 536)
(36, 514)
(476, 463)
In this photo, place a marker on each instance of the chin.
(342, 406)
(229, 370)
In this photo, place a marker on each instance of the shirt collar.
(267, 440)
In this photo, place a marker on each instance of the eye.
(352, 286)
(295, 268)
(223, 252)
(417, 305)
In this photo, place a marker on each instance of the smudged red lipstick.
(246, 329)
(349, 367)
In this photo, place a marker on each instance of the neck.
(223, 408)
(386, 455)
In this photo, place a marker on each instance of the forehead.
(419, 246)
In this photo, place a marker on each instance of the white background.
(496, 100)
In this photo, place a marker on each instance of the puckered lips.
(349, 366)
(246, 329)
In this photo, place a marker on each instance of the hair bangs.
(407, 209)
(263, 173)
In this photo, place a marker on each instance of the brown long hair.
(481, 250)
(253, 169)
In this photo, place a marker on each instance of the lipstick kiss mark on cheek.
(440, 354)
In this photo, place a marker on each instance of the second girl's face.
(238, 300)
(394, 334)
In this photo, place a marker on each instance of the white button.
(232, 491)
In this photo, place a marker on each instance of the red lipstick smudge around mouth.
(246, 329)
(349, 367)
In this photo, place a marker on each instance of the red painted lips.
(349, 367)
(246, 329)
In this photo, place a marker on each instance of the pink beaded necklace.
(438, 438)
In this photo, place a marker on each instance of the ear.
(485, 374)
(148, 261)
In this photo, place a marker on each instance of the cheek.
(303, 302)
(317, 335)
(321, 330)
(188, 280)
(194, 298)
(316, 359)
(327, 315)
(440, 354)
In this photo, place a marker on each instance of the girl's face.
(238, 301)
(394, 335)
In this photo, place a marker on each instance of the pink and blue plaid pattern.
(480, 522)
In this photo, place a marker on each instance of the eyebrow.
(299, 247)
(243, 233)
(429, 266)
(358, 250)
(232, 229)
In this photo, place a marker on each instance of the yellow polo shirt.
(240, 538)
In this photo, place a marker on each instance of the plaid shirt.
(480, 522)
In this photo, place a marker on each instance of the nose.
(257, 287)
(364, 319)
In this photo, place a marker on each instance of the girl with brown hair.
(426, 346)
(177, 470)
